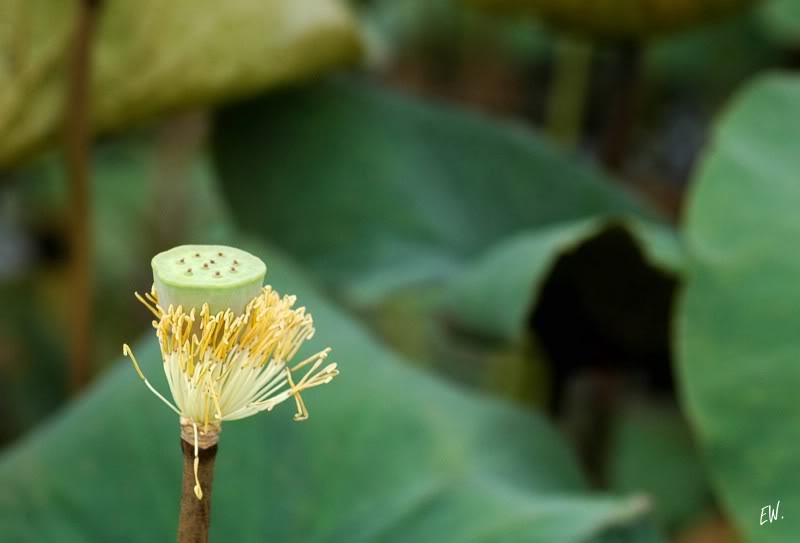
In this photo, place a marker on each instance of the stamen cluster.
(225, 367)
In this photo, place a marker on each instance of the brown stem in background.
(569, 86)
(77, 146)
(624, 107)
(196, 513)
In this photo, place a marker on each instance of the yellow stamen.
(152, 307)
(322, 355)
(302, 412)
(222, 367)
(126, 351)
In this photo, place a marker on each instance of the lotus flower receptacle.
(220, 276)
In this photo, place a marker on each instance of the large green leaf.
(737, 323)
(496, 295)
(388, 455)
(152, 56)
(393, 190)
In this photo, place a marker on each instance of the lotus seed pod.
(618, 18)
(193, 275)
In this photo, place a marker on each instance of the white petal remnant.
(221, 367)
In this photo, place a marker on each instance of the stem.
(77, 143)
(566, 98)
(196, 513)
(624, 107)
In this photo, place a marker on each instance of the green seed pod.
(618, 19)
(193, 275)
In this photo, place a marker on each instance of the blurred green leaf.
(32, 374)
(782, 20)
(709, 61)
(497, 294)
(150, 57)
(449, 31)
(389, 455)
(737, 324)
(618, 18)
(412, 322)
(652, 453)
(391, 190)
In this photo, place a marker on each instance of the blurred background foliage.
(549, 242)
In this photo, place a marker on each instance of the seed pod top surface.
(193, 275)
